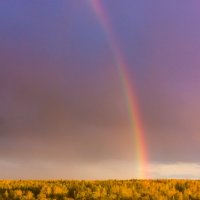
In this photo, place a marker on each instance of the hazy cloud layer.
(104, 169)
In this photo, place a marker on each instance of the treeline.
(108, 190)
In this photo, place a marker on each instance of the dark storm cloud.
(38, 109)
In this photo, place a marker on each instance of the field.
(110, 189)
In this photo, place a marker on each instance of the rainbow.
(129, 91)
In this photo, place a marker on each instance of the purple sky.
(63, 113)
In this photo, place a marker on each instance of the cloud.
(175, 170)
(105, 169)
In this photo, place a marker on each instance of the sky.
(63, 111)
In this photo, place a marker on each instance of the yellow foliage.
(100, 190)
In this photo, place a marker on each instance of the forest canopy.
(110, 189)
